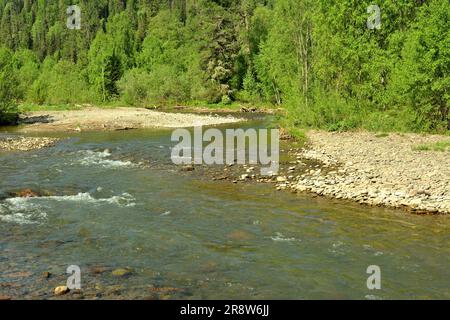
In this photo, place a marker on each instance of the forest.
(318, 59)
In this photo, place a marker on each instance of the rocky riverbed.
(26, 143)
(376, 170)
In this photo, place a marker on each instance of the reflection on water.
(115, 201)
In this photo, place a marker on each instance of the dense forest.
(318, 59)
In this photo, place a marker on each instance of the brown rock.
(188, 168)
(98, 270)
(26, 193)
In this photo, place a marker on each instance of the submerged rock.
(25, 193)
(121, 272)
(188, 168)
(239, 235)
(98, 269)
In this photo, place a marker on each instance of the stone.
(26, 193)
(121, 272)
(188, 168)
(98, 270)
(61, 290)
(281, 179)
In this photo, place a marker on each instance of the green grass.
(234, 106)
(298, 134)
(26, 107)
(441, 146)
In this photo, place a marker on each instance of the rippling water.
(115, 201)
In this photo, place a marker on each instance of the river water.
(116, 201)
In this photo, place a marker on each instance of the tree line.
(318, 59)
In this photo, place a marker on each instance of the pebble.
(61, 290)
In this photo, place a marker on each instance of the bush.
(134, 87)
(60, 83)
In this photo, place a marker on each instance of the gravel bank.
(89, 119)
(26, 143)
(378, 170)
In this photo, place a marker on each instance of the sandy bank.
(91, 119)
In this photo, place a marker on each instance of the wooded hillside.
(319, 59)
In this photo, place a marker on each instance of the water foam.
(32, 210)
(21, 212)
(124, 200)
(280, 237)
(96, 158)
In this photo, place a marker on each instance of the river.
(116, 201)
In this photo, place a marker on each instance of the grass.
(26, 107)
(441, 146)
(233, 106)
(298, 134)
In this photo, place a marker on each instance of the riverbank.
(391, 170)
(121, 118)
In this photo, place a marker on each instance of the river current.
(114, 200)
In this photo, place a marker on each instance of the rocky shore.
(26, 143)
(376, 170)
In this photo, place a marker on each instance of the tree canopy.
(317, 58)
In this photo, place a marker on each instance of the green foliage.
(315, 58)
(422, 78)
(134, 87)
(8, 88)
(59, 83)
(441, 146)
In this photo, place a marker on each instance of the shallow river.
(115, 201)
